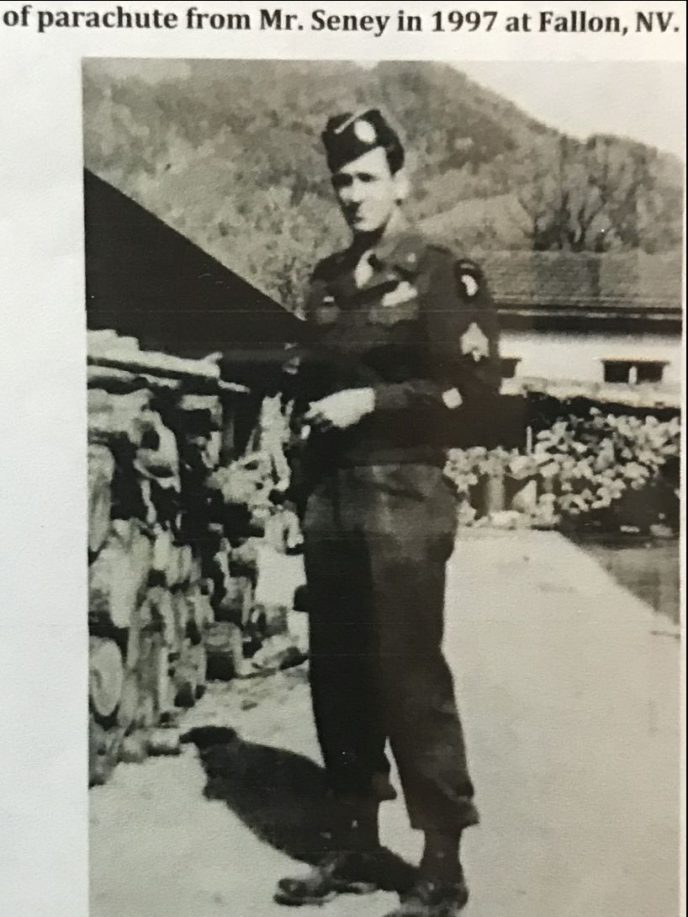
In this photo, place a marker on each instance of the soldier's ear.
(402, 185)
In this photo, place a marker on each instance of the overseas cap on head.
(348, 136)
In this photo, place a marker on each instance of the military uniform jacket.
(420, 325)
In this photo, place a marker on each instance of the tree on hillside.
(229, 154)
(600, 195)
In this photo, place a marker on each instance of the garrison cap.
(348, 136)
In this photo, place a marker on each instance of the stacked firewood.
(172, 543)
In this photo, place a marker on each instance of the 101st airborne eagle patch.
(470, 284)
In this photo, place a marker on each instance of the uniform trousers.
(376, 542)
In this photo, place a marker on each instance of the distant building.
(613, 318)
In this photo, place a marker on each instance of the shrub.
(594, 470)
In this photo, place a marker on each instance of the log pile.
(174, 536)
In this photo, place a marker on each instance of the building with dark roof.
(633, 290)
(614, 318)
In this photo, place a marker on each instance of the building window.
(509, 366)
(633, 371)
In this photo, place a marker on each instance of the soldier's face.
(367, 191)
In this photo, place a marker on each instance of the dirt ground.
(568, 689)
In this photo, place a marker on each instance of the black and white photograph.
(384, 368)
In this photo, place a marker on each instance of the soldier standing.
(406, 351)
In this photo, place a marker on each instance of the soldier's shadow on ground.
(279, 795)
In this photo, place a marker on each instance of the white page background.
(43, 499)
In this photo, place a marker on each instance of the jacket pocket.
(400, 304)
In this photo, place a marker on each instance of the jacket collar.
(402, 249)
(400, 246)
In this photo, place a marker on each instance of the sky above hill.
(641, 100)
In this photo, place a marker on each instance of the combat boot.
(339, 873)
(353, 868)
(432, 898)
(440, 889)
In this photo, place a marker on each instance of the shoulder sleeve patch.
(469, 277)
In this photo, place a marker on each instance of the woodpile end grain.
(177, 529)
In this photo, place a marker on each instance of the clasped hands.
(340, 410)
(346, 408)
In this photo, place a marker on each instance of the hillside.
(228, 153)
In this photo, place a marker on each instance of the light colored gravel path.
(568, 687)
